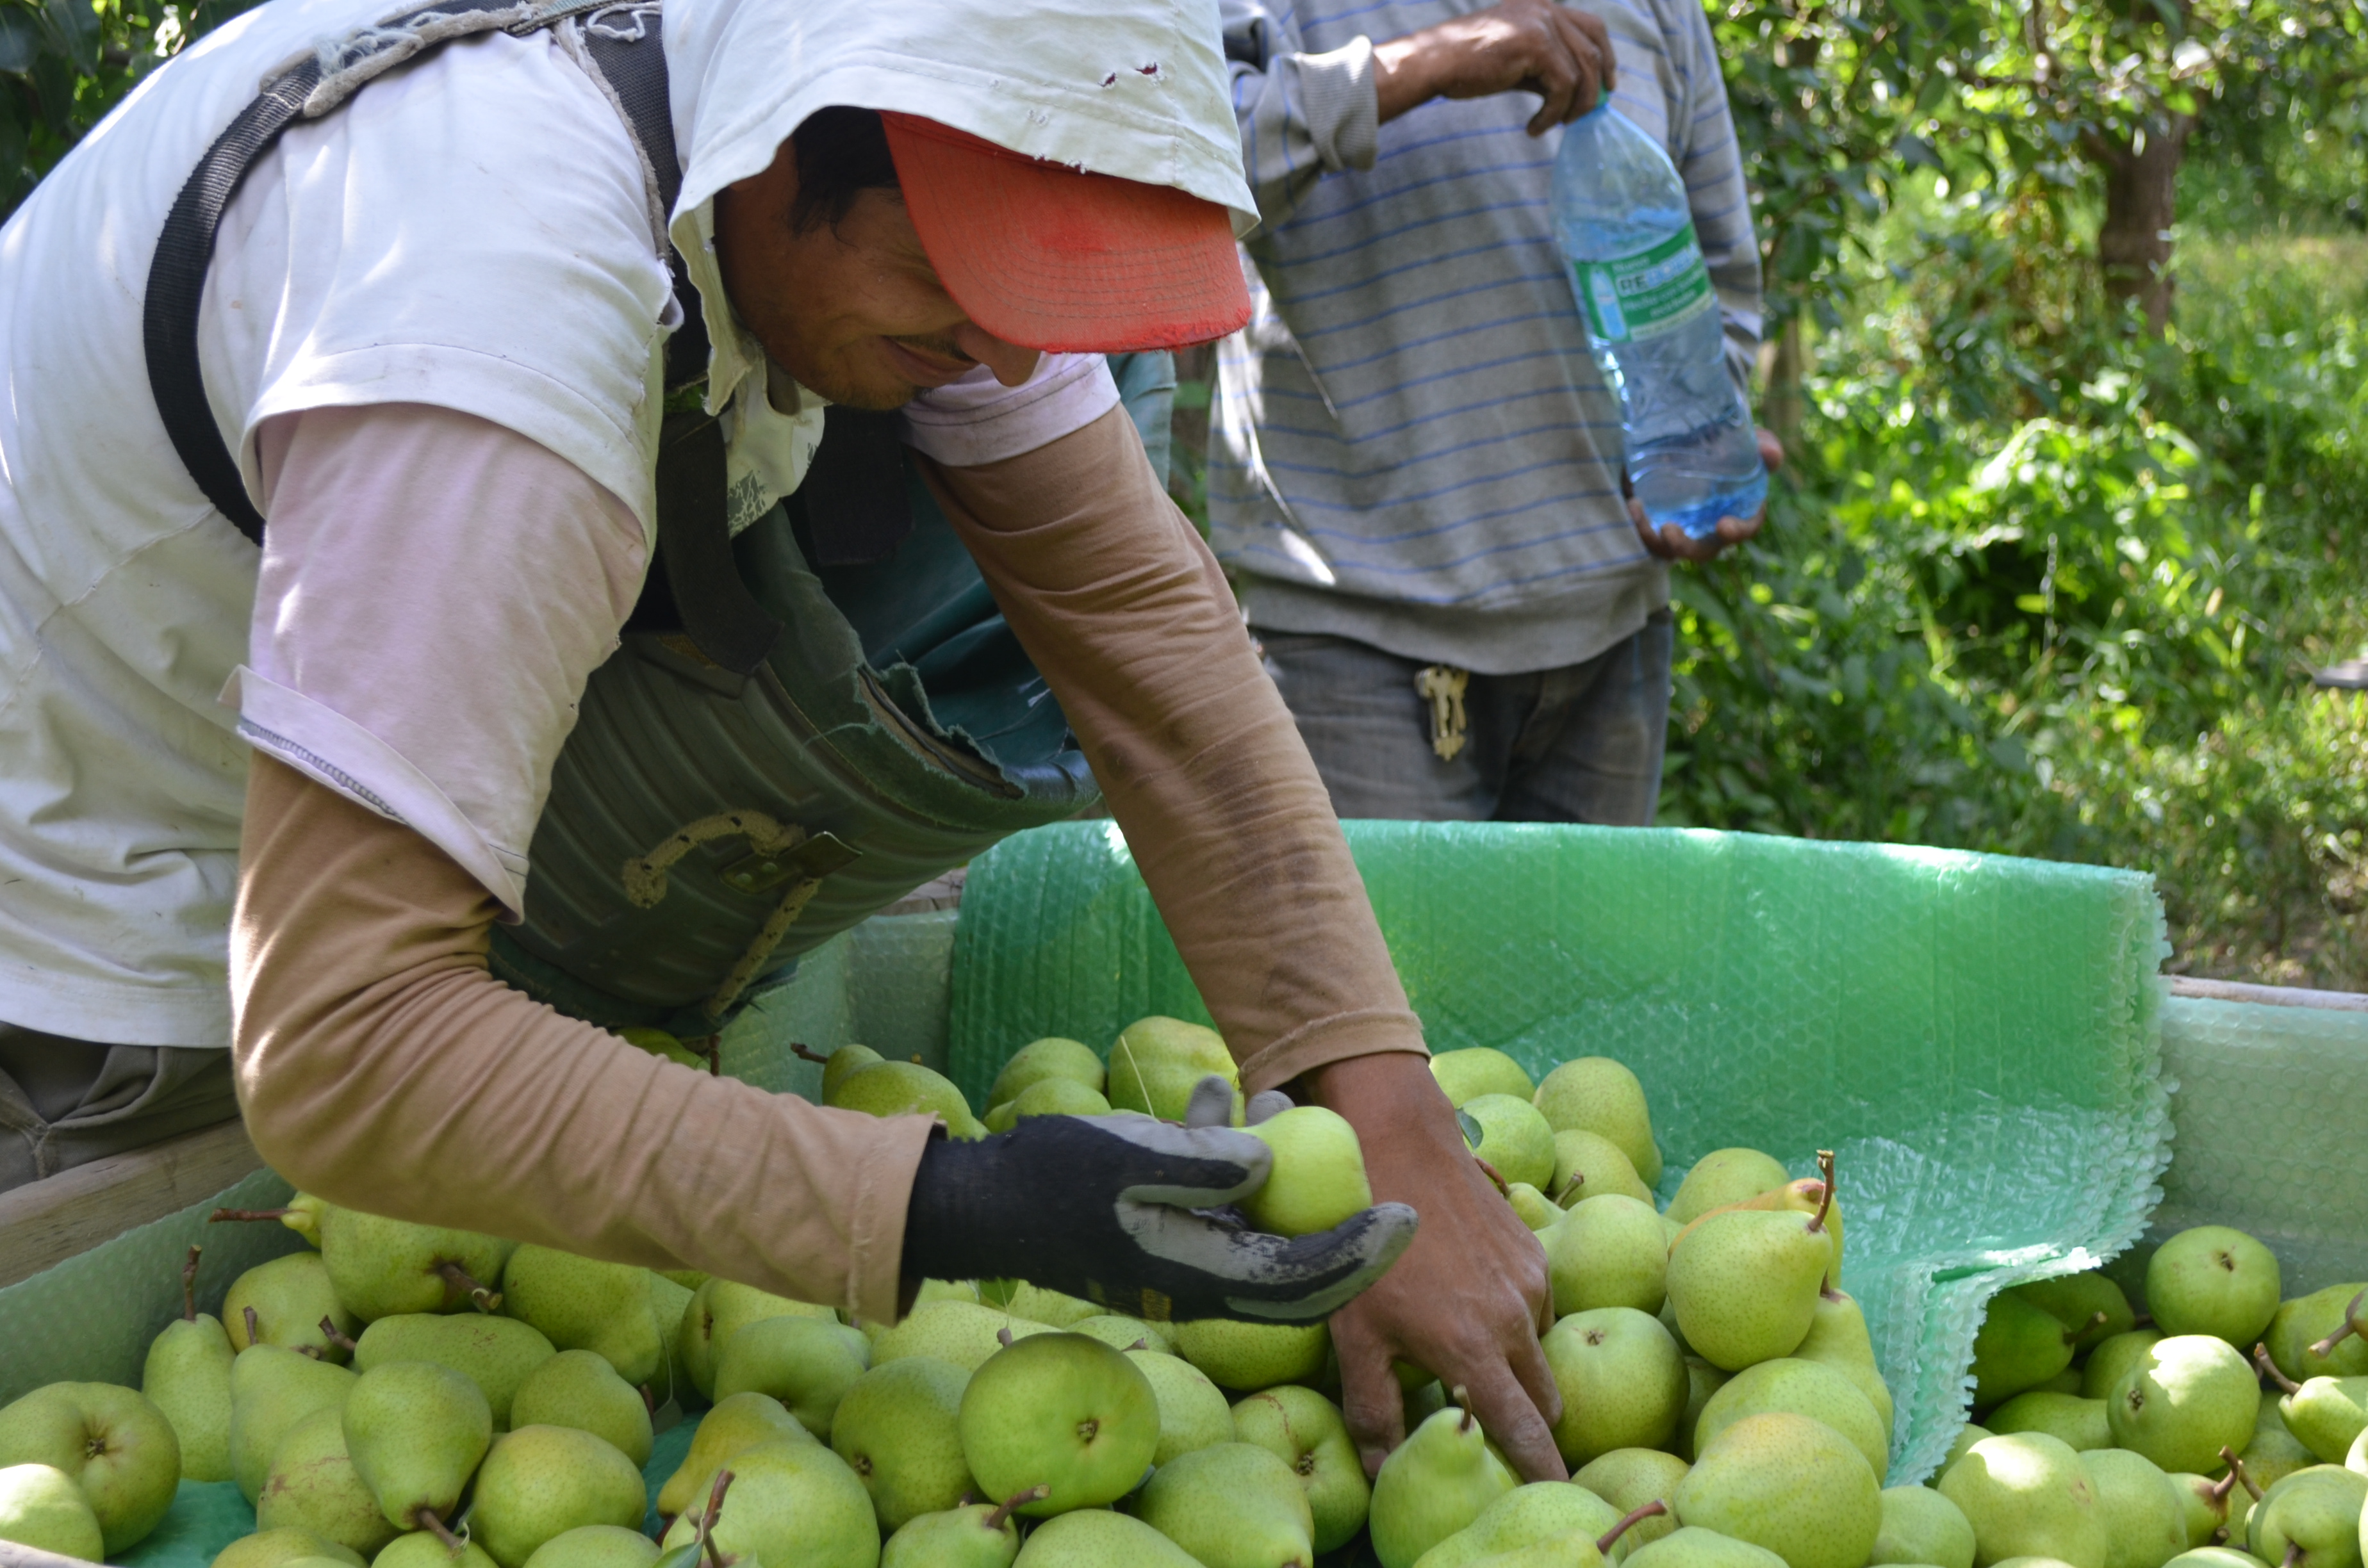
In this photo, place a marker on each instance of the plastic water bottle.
(1621, 215)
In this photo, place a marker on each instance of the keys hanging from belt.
(1442, 686)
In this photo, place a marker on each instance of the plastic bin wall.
(1976, 1035)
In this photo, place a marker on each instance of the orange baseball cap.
(1055, 258)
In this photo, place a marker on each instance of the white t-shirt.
(469, 232)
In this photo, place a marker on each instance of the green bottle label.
(1646, 294)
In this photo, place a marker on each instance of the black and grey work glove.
(1116, 1210)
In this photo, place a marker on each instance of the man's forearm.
(1127, 614)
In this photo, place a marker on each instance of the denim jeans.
(66, 1102)
(1579, 743)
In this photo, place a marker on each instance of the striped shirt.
(1410, 445)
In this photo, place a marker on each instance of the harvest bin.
(2012, 1090)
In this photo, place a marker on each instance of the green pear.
(1035, 1304)
(494, 1353)
(1050, 1097)
(2114, 1357)
(2144, 1517)
(581, 1303)
(2215, 1557)
(837, 1067)
(580, 1389)
(659, 1042)
(270, 1390)
(1573, 1550)
(1122, 1333)
(1609, 1252)
(1094, 1538)
(1247, 1356)
(669, 1303)
(288, 1297)
(1595, 1093)
(1192, 1410)
(736, 1424)
(40, 1507)
(2213, 1507)
(1627, 1479)
(1306, 1431)
(1725, 1176)
(420, 1548)
(1588, 1165)
(1837, 1337)
(806, 1363)
(1542, 1511)
(1514, 1139)
(539, 1481)
(1479, 1070)
(380, 1267)
(1062, 1412)
(186, 1375)
(2311, 1519)
(2274, 1453)
(1703, 1380)
(1703, 1548)
(1921, 1525)
(110, 1442)
(1318, 1180)
(976, 1535)
(2323, 1317)
(1789, 1483)
(2079, 1423)
(1232, 1505)
(1435, 1483)
(1967, 1436)
(1532, 1208)
(415, 1432)
(1744, 1284)
(314, 1485)
(1622, 1381)
(964, 1332)
(899, 1429)
(1156, 1061)
(2028, 1495)
(905, 1088)
(2212, 1281)
(720, 1309)
(1041, 1060)
(2190, 1396)
(792, 1504)
(2019, 1347)
(596, 1546)
(2324, 1414)
(1801, 1388)
(1808, 1196)
(273, 1549)
(2090, 1306)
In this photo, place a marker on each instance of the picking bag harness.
(803, 723)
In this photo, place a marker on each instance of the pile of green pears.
(2105, 1441)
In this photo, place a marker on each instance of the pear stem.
(254, 1332)
(2294, 1554)
(704, 1533)
(2217, 1490)
(805, 1053)
(1003, 1338)
(329, 1331)
(1635, 1516)
(2142, 1319)
(2352, 1323)
(1495, 1179)
(1826, 1200)
(222, 1214)
(459, 1279)
(2237, 1467)
(649, 1399)
(1011, 1506)
(2072, 1335)
(424, 1518)
(1462, 1398)
(190, 1286)
(2270, 1370)
(709, 1047)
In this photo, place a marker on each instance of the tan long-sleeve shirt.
(382, 1065)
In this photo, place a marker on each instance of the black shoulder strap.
(715, 608)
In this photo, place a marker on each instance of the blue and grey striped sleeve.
(1710, 162)
(1301, 116)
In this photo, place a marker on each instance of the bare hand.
(1671, 542)
(1524, 46)
(1467, 1301)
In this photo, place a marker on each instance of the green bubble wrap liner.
(1977, 1038)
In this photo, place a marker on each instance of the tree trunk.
(1784, 367)
(2141, 199)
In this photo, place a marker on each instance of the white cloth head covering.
(1135, 89)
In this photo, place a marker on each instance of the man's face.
(852, 310)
